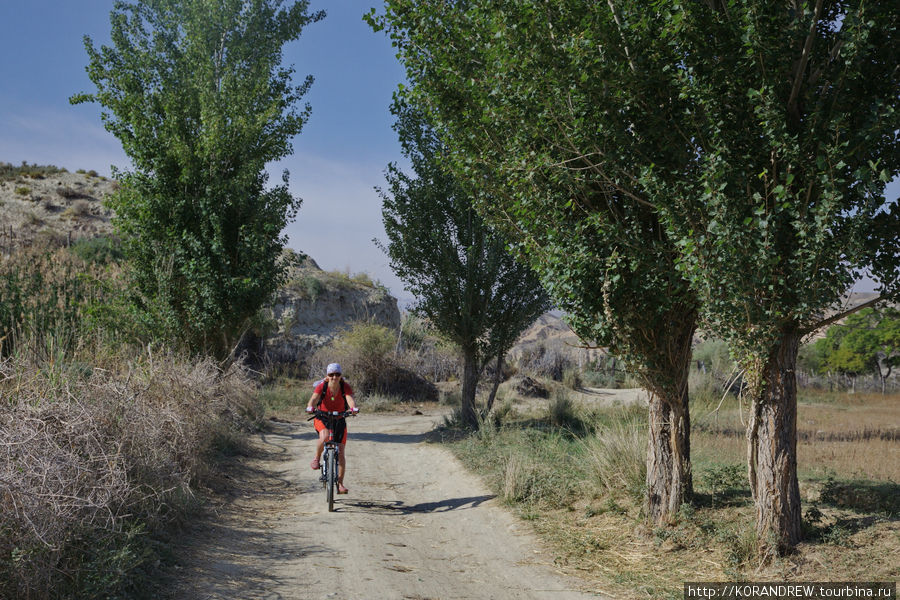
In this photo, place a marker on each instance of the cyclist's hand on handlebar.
(309, 409)
(354, 410)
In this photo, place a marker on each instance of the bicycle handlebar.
(332, 413)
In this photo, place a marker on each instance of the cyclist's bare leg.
(342, 464)
(320, 443)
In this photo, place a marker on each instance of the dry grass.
(94, 457)
(851, 497)
(853, 435)
(606, 543)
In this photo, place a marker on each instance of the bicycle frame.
(331, 454)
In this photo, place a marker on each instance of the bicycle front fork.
(324, 462)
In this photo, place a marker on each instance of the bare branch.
(615, 15)
(839, 316)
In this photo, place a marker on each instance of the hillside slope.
(51, 206)
(45, 204)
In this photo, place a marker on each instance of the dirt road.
(414, 526)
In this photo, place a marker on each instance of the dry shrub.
(91, 460)
(435, 358)
(540, 361)
(71, 193)
(363, 350)
(425, 351)
(366, 352)
(79, 208)
(530, 388)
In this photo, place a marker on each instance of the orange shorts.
(340, 429)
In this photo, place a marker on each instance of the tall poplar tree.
(516, 114)
(466, 283)
(196, 93)
(759, 135)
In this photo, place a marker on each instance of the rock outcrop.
(314, 305)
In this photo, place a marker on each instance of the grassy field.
(575, 470)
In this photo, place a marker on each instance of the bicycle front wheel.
(332, 478)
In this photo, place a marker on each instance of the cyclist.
(332, 394)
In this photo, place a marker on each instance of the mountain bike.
(331, 454)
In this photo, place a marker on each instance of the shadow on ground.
(399, 508)
(224, 562)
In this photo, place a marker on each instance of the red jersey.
(331, 402)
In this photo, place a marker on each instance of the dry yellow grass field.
(853, 436)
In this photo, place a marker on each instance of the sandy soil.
(414, 526)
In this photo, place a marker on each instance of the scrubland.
(105, 444)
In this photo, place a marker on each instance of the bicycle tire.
(332, 479)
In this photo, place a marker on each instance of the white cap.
(333, 368)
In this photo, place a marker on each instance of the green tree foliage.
(466, 283)
(517, 108)
(866, 342)
(790, 114)
(196, 93)
(760, 135)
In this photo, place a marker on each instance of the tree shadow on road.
(398, 507)
(235, 559)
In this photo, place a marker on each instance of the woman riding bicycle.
(332, 394)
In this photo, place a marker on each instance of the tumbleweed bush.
(97, 460)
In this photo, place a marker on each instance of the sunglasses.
(333, 375)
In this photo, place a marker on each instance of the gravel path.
(414, 526)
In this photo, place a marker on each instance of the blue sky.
(337, 161)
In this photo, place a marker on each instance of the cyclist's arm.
(313, 401)
(350, 401)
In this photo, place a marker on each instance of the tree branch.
(839, 316)
(804, 58)
(618, 21)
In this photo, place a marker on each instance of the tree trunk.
(498, 377)
(772, 449)
(469, 384)
(669, 478)
(883, 375)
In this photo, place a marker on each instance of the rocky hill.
(48, 204)
(314, 305)
(51, 205)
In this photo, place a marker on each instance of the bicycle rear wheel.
(332, 477)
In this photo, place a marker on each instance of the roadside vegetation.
(575, 467)
(106, 443)
(119, 392)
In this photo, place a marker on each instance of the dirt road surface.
(414, 526)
